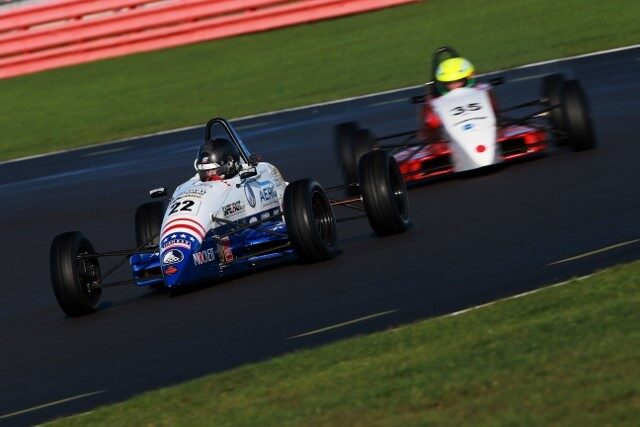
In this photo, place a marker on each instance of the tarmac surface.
(474, 240)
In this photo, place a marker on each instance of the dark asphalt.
(474, 240)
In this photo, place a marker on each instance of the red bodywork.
(434, 158)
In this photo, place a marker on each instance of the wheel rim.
(399, 191)
(323, 218)
(88, 273)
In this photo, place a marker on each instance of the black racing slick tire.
(552, 93)
(310, 220)
(362, 144)
(351, 144)
(344, 135)
(72, 276)
(148, 221)
(575, 110)
(384, 193)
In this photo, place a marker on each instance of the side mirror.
(497, 81)
(254, 159)
(158, 192)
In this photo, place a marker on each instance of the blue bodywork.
(186, 260)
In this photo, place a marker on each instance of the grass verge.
(155, 91)
(567, 355)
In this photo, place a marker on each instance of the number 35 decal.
(186, 205)
(469, 107)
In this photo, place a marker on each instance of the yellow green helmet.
(452, 71)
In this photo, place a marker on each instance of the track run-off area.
(474, 240)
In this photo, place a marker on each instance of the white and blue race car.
(210, 229)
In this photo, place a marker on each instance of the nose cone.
(176, 250)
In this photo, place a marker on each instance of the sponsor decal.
(177, 240)
(192, 193)
(470, 119)
(171, 270)
(268, 193)
(223, 250)
(253, 219)
(277, 176)
(157, 190)
(251, 197)
(467, 126)
(172, 256)
(264, 215)
(204, 257)
(204, 184)
(233, 208)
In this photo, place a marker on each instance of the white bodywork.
(189, 214)
(469, 122)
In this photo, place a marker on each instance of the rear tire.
(310, 220)
(552, 92)
(72, 277)
(148, 221)
(575, 110)
(384, 193)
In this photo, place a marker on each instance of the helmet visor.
(212, 171)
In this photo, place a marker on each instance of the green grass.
(156, 91)
(567, 355)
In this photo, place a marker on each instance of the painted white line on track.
(46, 405)
(255, 125)
(522, 79)
(81, 414)
(109, 151)
(320, 104)
(535, 291)
(339, 325)
(393, 101)
(597, 251)
(584, 55)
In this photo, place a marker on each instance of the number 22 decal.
(469, 107)
(186, 205)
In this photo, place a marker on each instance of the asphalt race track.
(474, 240)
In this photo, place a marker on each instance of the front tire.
(384, 193)
(310, 220)
(552, 92)
(72, 277)
(576, 114)
(351, 144)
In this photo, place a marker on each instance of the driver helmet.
(454, 73)
(217, 159)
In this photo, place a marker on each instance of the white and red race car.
(465, 130)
